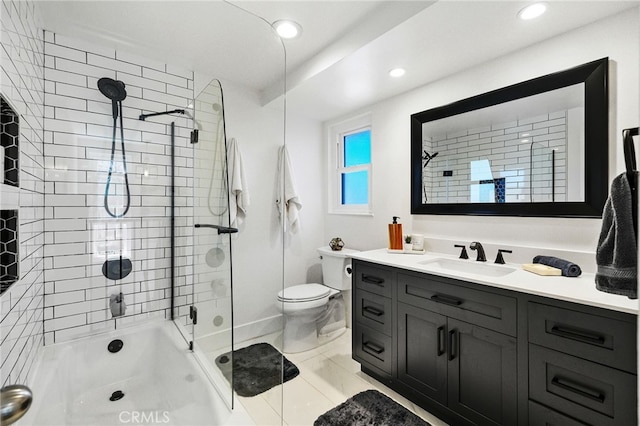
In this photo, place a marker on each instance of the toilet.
(315, 313)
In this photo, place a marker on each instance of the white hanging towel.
(238, 192)
(288, 202)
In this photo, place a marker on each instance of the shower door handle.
(221, 229)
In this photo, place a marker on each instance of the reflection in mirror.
(518, 151)
(522, 150)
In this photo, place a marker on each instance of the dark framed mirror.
(536, 148)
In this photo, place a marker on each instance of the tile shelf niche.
(9, 193)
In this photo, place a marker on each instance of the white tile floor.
(328, 377)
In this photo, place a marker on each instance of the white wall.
(260, 254)
(616, 37)
(22, 85)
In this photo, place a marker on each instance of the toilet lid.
(304, 293)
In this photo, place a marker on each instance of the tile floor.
(328, 376)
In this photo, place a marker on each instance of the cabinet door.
(422, 355)
(482, 374)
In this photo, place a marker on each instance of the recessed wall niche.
(9, 131)
(9, 177)
(9, 268)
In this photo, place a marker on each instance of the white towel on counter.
(288, 202)
(238, 192)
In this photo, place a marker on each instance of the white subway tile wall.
(22, 85)
(80, 234)
(507, 147)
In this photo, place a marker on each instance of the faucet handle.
(499, 258)
(463, 254)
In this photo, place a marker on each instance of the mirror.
(536, 148)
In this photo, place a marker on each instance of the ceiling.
(341, 61)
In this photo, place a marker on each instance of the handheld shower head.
(114, 90)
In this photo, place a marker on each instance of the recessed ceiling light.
(397, 72)
(532, 11)
(287, 29)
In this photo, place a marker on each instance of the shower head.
(114, 90)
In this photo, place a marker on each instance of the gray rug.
(256, 369)
(369, 408)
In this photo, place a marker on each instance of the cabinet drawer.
(489, 310)
(539, 415)
(605, 340)
(581, 389)
(373, 278)
(373, 310)
(372, 347)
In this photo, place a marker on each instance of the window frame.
(337, 133)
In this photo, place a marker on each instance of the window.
(350, 144)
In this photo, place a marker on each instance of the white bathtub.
(161, 381)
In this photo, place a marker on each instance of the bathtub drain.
(116, 395)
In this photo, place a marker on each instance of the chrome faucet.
(477, 246)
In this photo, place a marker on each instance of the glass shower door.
(211, 313)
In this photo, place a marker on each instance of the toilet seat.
(304, 293)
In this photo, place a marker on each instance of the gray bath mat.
(256, 369)
(369, 408)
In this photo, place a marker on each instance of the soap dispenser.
(395, 234)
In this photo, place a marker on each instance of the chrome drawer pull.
(374, 311)
(373, 347)
(579, 389)
(372, 280)
(446, 300)
(577, 335)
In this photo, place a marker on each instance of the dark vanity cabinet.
(473, 354)
(372, 304)
(582, 363)
(457, 345)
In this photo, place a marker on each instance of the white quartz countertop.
(580, 289)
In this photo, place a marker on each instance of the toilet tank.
(336, 267)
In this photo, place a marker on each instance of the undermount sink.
(470, 267)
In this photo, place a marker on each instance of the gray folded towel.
(569, 269)
(616, 254)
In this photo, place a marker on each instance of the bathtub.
(152, 379)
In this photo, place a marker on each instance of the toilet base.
(299, 336)
(306, 329)
(326, 338)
